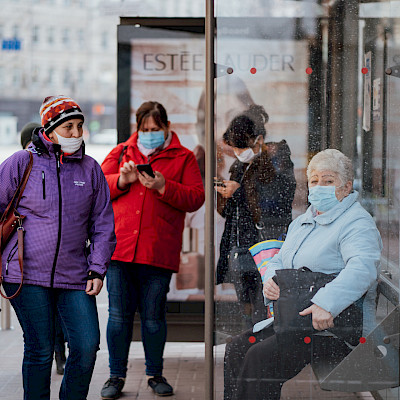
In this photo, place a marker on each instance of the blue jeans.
(130, 287)
(59, 343)
(36, 308)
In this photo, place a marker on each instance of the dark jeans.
(256, 369)
(235, 353)
(59, 344)
(131, 287)
(36, 308)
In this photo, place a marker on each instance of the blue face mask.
(152, 140)
(323, 198)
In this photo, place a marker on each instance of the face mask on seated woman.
(323, 198)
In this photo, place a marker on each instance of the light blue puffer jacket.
(345, 241)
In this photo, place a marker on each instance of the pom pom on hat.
(57, 109)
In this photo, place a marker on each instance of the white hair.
(333, 160)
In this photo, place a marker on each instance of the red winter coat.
(148, 225)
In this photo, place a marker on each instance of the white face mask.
(245, 156)
(69, 145)
(248, 155)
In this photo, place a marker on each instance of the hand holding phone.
(145, 168)
(155, 179)
(226, 188)
(219, 182)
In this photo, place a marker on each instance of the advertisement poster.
(271, 73)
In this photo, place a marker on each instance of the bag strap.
(121, 156)
(25, 178)
(237, 209)
(20, 230)
(259, 227)
(20, 188)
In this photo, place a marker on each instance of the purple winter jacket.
(65, 203)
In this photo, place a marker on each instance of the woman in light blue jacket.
(334, 236)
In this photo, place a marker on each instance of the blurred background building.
(67, 47)
(70, 47)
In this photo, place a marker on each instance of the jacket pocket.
(39, 193)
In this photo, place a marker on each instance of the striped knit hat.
(55, 110)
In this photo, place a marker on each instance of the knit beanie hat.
(26, 133)
(55, 110)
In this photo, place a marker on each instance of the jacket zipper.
(44, 185)
(53, 271)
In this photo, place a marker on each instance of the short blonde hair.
(333, 160)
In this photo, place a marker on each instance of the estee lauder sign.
(186, 61)
(182, 59)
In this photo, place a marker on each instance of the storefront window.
(51, 76)
(35, 34)
(66, 36)
(15, 31)
(81, 38)
(50, 34)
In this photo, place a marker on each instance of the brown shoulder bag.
(11, 221)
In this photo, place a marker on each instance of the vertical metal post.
(359, 156)
(209, 221)
(5, 314)
(384, 115)
(343, 38)
(324, 74)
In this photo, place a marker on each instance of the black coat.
(264, 197)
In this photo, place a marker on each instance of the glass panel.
(385, 125)
(164, 61)
(295, 78)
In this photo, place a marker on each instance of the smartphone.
(219, 183)
(145, 168)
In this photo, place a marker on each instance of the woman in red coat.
(149, 220)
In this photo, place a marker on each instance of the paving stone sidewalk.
(184, 369)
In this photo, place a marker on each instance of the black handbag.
(297, 288)
(240, 260)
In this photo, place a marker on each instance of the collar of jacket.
(175, 144)
(328, 217)
(41, 146)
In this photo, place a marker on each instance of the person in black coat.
(256, 203)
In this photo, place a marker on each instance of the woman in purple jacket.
(68, 243)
